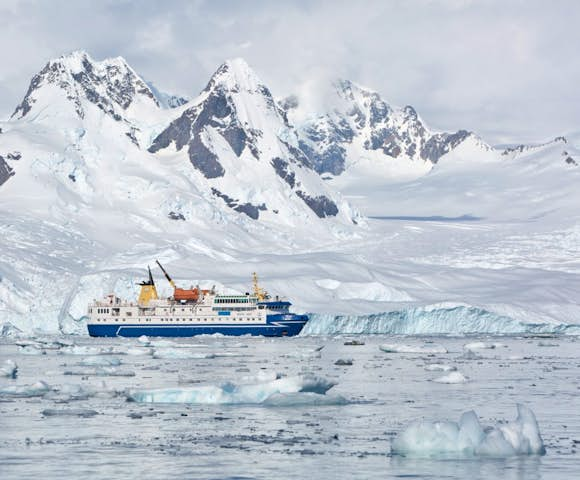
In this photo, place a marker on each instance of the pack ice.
(468, 438)
(230, 393)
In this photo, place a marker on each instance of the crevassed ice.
(430, 321)
(230, 393)
(468, 438)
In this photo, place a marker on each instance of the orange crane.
(182, 294)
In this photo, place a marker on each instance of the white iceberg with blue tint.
(468, 438)
(230, 393)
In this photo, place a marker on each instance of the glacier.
(459, 320)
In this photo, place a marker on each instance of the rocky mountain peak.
(112, 85)
(360, 124)
(240, 140)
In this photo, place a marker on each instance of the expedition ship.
(193, 311)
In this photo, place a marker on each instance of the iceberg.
(467, 438)
(453, 377)
(37, 389)
(399, 348)
(440, 367)
(230, 393)
(100, 361)
(430, 320)
(9, 369)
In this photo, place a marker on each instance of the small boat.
(193, 311)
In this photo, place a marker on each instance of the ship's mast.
(258, 291)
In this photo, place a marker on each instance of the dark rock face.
(204, 159)
(6, 171)
(441, 143)
(281, 168)
(175, 216)
(321, 205)
(116, 79)
(252, 211)
(217, 113)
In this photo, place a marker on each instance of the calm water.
(127, 440)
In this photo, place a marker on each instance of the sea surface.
(80, 423)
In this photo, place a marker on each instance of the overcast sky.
(508, 70)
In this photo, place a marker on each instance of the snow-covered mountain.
(68, 81)
(167, 100)
(98, 178)
(240, 141)
(361, 131)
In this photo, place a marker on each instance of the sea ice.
(31, 349)
(481, 346)
(138, 351)
(71, 412)
(37, 389)
(453, 377)
(180, 354)
(440, 367)
(9, 369)
(83, 350)
(468, 438)
(100, 361)
(303, 399)
(230, 393)
(400, 348)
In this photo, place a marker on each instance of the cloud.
(504, 69)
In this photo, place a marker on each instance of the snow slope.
(484, 240)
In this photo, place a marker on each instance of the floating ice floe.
(469, 355)
(440, 367)
(180, 354)
(70, 412)
(261, 377)
(84, 350)
(344, 362)
(303, 399)
(230, 393)
(453, 377)
(100, 361)
(9, 369)
(139, 351)
(481, 346)
(468, 438)
(37, 389)
(400, 348)
(144, 340)
(31, 349)
(101, 372)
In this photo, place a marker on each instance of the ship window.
(129, 314)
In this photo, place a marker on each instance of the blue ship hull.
(276, 326)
